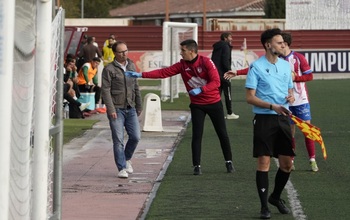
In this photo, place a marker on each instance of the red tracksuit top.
(200, 73)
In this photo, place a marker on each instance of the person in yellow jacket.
(107, 52)
(88, 78)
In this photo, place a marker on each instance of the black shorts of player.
(272, 136)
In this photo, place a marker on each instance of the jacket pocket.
(118, 97)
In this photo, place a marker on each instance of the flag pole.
(166, 10)
(245, 52)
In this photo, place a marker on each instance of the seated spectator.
(88, 78)
(71, 75)
(75, 107)
(69, 93)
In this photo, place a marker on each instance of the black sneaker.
(280, 204)
(197, 170)
(265, 213)
(229, 167)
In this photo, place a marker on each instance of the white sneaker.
(123, 174)
(129, 168)
(83, 106)
(313, 165)
(232, 116)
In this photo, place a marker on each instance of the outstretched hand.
(133, 74)
(230, 74)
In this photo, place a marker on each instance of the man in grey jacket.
(122, 98)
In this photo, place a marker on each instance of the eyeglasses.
(120, 52)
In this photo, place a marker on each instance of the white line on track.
(297, 209)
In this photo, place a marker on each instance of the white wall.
(317, 14)
(96, 22)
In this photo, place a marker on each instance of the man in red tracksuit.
(202, 82)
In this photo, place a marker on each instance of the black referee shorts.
(272, 136)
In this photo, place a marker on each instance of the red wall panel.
(150, 38)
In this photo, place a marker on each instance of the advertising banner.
(327, 61)
(320, 61)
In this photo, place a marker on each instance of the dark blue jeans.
(126, 118)
(216, 114)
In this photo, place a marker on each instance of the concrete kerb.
(152, 194)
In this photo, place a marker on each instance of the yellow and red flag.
(310, 131)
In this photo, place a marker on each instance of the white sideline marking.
(297, 209)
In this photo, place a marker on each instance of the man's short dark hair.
(114, 46)
(112, 36)
(225, 35)
(96, 59)
(287, 37)
(267, 35)
(70, 56)
(190, 44)
(89, 40)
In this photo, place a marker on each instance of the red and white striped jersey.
(303, 73)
